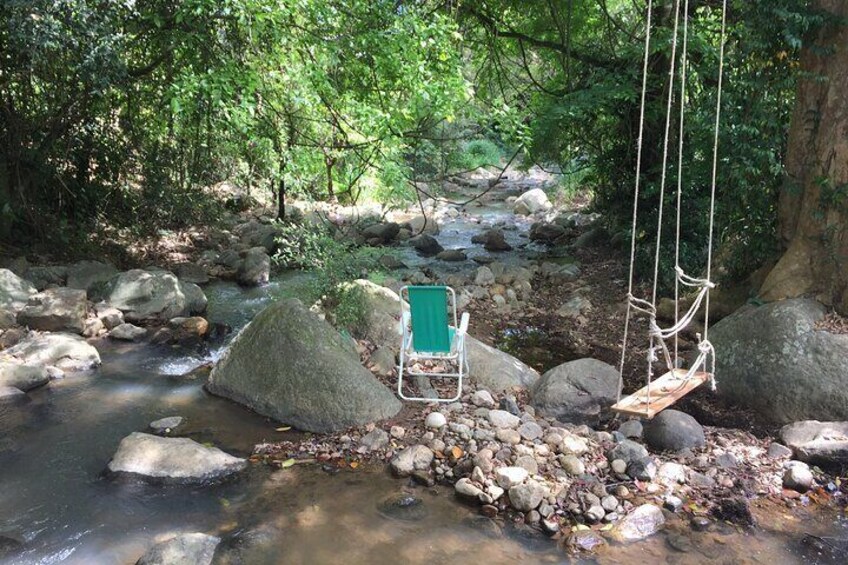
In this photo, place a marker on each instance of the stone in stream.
(383, 232)
(820, 443)
(403, 507)
(255, 268)
(411, 459)
(23, 377)
(184, 549)
(531, 202)
(672, 430)
(66, 351)
(191, 272)
(153, 294)
(496, 370)
(127, 332)
(484, 276)
(577, 392)
(773, 359)
(9, 547)
(546, 232)
(452, 255)
(492, 240)
(177, 460)
(426, 245)
(55, 310)
(15, 292)
(292, 366)
(166, 425)
(644, 521)
(585, 540)
(11, 395)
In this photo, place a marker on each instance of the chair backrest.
(428, 307)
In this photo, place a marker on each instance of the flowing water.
(54, 498)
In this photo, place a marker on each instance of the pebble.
(700, 523)
(508, 477)
(530, 431)
(609, 503)
(619, 466)
(503, 419)
(631, 429)
(397, 432)
(435, 420)
(595, 513)
(438, 445)
(496, 492)
(727, 461)
(507, 436)
(642, 469)
(778, 451)
(797, 476)
(509, 404)
(532, 517)
(553, 439)
(529, 463)
(489, 511)
(672, 503)
(466, 488)
(478, 476)
(527, 496)
(572, 465)
(483, 398)
(165, 425)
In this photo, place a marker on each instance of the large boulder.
(426, 245)
(15, 292)
(255, 234)
(578, 392)
(292, 366)
(819, 443)
(44, 277)
(184, 549)
(66, 351)
(255, 269)
(672, 430)
(56, 310)
(495, 370)
(381, 309)
(531, 202)
(24, 377)
(144, 295)
(383, 232)
(90, 276)
(172, 460)
(773, 359)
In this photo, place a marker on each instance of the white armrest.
(463, 324)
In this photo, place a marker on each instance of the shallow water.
(54, 498)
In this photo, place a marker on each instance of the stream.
(54, 498)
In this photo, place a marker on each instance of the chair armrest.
(463, 323)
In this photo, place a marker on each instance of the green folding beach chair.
(429, 336)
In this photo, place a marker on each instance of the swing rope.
(657, 335)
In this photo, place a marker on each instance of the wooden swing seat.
(665, 391)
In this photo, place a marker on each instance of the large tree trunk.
(813, 208)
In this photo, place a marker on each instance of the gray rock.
(483, 398)
(595, 513)
(508, 477)
(819, 443)
(184, 549)
(484, 276)
(508, 436)
(778, 451)
(145, 295)
(526, 497)
(109, 316)
(546, 232)
(631, 429)
(44, 277)
(496, 370)
(619, 466)
(382, 308)
(643, 469)
(385, 232)
(177, 460)
(423, 224)
(644, 521)
(452, 255)
(772, 359)
(256, 234)
(586, 541)
(191, 272)
(671, 430)
(293, 366)
(533, 201)
(530, 431)
(578, 392)
(24, 377)
(503, 419)
(727, 461)
(672, 503)
(572, 465)
(426, 245)
(609, 502)
(411, 459)
(165, 425)
(465, 487)
(90, 276)
(798, 476)
(628, 451)
(127, 332)
(55, 310)
(391, 262)
(255, 269)
(15, 292)
(375, 439)
(66, 351)
(528, 462)
(492, 240)
(383, 361)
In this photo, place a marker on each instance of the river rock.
(184, 549)
(375, 439)
(179, 460)
(145, 295)
(482, 398)
(426, 245)
(503, 419)
(531, 202)
(66, 351)
(411, 459)
(47, 276)
(672, 430)
(496, 370)
(508, 477)
(15, 292)
(526, 497)
(797, 476)
(585, 540)
(11, 395)
(435, 420)
(24, 377)
(465, 487)
(255, 268)
(291, 365)
(383, 232)
(773, 359)
(381, 308)
(578, 392)
(191, 272)
(819, 443)
(631, 429)
(627, 451)
(546, 232)
(127, 332)
(90, 276)
(644, 521)
(166, 425)
(55, 310)
(257, 234)
(452, 255)
(492, 240)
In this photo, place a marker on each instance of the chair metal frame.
(457, 353)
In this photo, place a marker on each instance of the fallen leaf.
(456, 452)
(284, 429)
(354, 464)
(287, 463)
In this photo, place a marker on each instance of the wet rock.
(110, 316)
(23, 377)
(496, 370)
(508, 436)
(375, 439)
(526, 497)
(508, 477)
(66, 351)
(90, 276)
(9, 547)
(531, 202)
(184, 549)
(734, 510)
(426, 245)
(272, 367)
(797, 476)
(166, 425)
(672, 503)
(435, 420)
(189, 330)
(15, 292)
(587, 541)
(546, 232)
(644, 521)
(11, 395)
(452, 255)
(403, 507)
(146, 295)
(128, 332)
(700, 523)
(414, 458)
(672, 430)
(179, 460)
(594, 514)
(492, 240)
(503, 419)
(819, 443)
(578, 392)
(255, 269)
